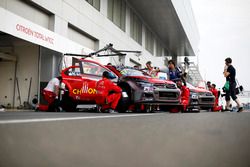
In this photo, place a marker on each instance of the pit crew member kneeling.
(216, 95)
(108, 94)
(51, 92)
(185, 93)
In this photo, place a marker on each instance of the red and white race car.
(79, 83)
(144, 92)
(200, 99)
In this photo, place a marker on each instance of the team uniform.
(108, 94)
(216, 95)
(49, 92)
(185, 93)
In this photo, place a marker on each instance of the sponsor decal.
(34, 33)
(85, 89)
(81, 91)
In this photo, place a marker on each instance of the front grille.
(163, 85)
(194, 101)
(171, 95)
(159, 85)
(207, 99)
(148, 95)
(170, 86)
(206, 94)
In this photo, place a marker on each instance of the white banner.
(19, 27)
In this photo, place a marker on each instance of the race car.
(145, 93)
(79, 83)
(140, 92)
(200, 99)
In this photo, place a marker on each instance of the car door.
(92, 72)
(72, 78)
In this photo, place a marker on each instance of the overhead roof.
(161, 17)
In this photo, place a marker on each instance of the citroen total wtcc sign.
(34, 33)
(19, 27)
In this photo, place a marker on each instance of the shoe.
(240, 109)
(227, 109)
(1, 109)
(112, 111)
(129, 111)
(60, 109)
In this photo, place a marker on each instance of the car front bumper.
(158, 97)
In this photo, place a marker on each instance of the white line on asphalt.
(72, 118)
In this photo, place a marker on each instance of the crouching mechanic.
(216, 95)
(51, 92)
(185, 93)
(108, 94)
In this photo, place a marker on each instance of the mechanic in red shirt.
(216, 95)
(108, 94)
(185, 94)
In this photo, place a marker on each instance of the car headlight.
(148, 87)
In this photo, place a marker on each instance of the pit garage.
(24, 69)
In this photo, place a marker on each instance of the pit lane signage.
(24, 29)
(34, 33)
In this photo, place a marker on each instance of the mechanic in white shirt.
(51, 92)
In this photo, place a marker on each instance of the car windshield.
(190, 86)
(132, 72)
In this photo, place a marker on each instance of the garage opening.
(50, 67)
(24, 69)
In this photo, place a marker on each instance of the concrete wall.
(185, 13)
(27, 68)
(27, 11)
(7, 71)
(56, 15)
(86, 18)
(50, 64)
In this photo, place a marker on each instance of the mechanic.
(108, 94)
(230, 74)
(216, 94)
(151, 70)
(209, 85)
(185, 93)
(174, 73)
(51, 93)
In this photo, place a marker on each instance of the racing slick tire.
(67, 103)
(124, 102)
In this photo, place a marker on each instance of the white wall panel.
(28, 12)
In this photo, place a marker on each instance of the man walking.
(230, 74)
